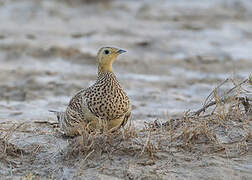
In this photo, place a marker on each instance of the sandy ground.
(177, 52)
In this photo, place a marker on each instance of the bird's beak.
(120, 51)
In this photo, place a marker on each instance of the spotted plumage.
(102, 105)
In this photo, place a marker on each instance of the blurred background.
(177, 52)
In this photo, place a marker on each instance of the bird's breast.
(108, 102)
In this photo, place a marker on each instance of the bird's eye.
(106, 51)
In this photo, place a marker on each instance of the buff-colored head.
(106, 57)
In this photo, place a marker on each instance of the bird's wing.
(126, 117)
(75, 108)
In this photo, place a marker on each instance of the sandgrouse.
(102, 105)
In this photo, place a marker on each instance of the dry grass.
(8, 151)
(220, 127)
(224, 129)
(94, 144)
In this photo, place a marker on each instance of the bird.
(102, 106)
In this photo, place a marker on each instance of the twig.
(88, 155)
(146, 143)
(205, 102)
(45, 122)
(197, 113)
(238, 85)
(223, 99)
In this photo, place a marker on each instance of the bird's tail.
(58, 114)
(64, 124)
(53, 111)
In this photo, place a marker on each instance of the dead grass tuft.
(9, 151)
(95, 144)
(221, 127)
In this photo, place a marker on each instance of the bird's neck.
(104, 68)
(107, 75)
(108, 79)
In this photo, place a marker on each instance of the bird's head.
(106, 56)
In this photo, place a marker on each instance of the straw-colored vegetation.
(225, 129)
(221, 127)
